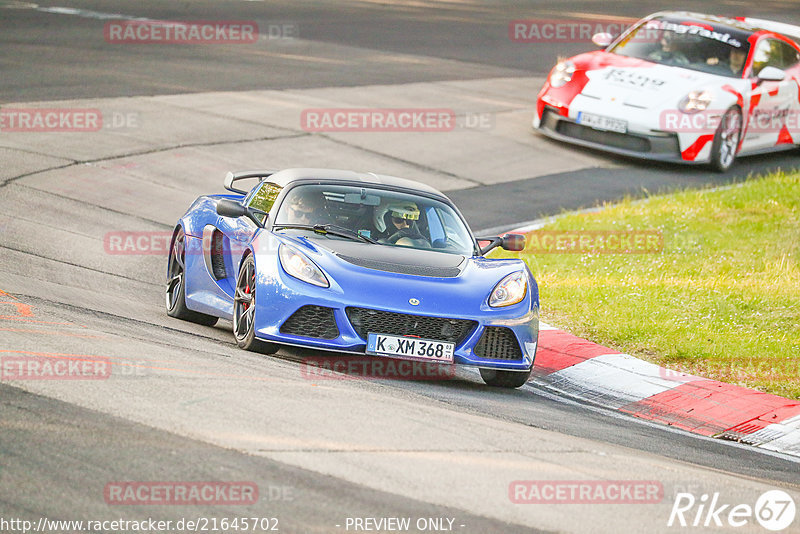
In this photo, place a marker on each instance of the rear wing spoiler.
(233, 177)
(789, 30)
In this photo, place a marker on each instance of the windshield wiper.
(341, 231)
(332, 229)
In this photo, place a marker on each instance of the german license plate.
(410, 347)
(602, 123)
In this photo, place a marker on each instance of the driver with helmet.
(400, 222)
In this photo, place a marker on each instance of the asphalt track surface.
(190, 406)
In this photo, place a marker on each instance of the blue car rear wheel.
(176, 284)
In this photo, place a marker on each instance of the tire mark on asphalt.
(40, 256)
(148, 152)
(410, 163)
(118, 320)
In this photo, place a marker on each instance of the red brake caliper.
(247, 291)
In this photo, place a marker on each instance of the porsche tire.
(726, 140)
(244, 310)
(176, 284)
(505, 379)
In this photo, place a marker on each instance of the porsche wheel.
(176, 285)
(726, 140)
(244, 311)
(505, 379)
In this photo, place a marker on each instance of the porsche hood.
(655, 87)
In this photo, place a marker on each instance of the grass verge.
(712, 286)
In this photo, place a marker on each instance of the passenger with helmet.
(400, 223)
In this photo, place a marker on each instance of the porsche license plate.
(410, 347)
(600, 122)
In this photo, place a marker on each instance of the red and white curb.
(590, 372)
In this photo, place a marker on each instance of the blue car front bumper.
(339, 317)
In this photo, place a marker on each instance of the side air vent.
(217, 255)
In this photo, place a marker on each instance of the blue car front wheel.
(244, 310)
(505, 379)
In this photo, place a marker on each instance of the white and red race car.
(682, 87)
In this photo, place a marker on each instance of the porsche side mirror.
(771, 74)
(602, 39)
(512, 242)
(231, 208)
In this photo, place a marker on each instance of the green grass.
(721, 299)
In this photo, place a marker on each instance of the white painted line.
(89, 14)
(612, 380)
(782, 437)
(545, 326)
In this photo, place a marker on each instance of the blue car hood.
(400, 260)
(444, 282)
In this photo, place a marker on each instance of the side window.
(774, 53)
(265, 197)
(453, 230)
(435, 225)
(790, 56)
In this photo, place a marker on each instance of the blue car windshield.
(390, 218)
(695, 45)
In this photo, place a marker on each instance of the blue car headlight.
(509, 290)
(296, 264)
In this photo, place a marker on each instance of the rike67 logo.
(774, 510)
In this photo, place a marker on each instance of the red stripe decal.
(734, 92)
(784, 137)
(691, 153)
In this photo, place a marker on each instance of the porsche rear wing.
(789, 30)
(233, 177)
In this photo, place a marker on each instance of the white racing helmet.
(402, 209)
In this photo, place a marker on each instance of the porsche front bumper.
(653, 145)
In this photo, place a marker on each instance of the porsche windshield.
(387, 217)
(696, 45)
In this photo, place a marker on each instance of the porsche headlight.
(562, 73)
(510, 290)
(298, 265)
(695, 101)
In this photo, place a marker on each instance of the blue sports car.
(353, 263)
